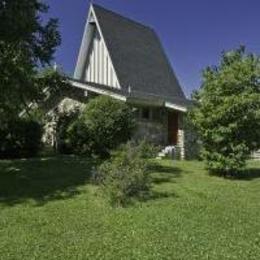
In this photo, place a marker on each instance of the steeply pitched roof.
(137, 55)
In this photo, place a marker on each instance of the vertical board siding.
(99, 66)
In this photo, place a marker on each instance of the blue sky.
(193, 32)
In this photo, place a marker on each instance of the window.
(145, 113)
(157, 114)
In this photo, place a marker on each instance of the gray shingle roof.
(138, 56)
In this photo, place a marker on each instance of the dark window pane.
(145, 113)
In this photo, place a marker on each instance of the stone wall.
(154, 129)
(181, 137)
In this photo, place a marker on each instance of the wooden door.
(172, 127)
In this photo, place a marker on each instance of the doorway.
(173, 127)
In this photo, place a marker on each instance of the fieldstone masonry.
(154, 129)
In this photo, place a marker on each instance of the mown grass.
(50, 210)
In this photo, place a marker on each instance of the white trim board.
(175, 107)
(85, 86)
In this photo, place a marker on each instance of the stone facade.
(153, 128)
(181, 136)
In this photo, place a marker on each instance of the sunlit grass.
(50, 210)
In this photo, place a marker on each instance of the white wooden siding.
(99, 67)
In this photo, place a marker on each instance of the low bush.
(147, 150)
(124, 177)
(20, 138)
(143, 148)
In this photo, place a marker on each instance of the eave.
(129, 97)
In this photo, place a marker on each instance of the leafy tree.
(26, 45)
(227, 111)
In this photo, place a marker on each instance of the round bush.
(104, 124)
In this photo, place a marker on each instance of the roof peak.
(120, 15)
(136, 54)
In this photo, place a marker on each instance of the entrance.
(172, 127)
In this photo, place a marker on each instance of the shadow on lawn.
(248, 174)
(245, 175)
(162, 174)
(42, 179)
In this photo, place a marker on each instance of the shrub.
(147, 150)
(144, 148)
(20, 138)
(79, 138)
(103, 125)
(124, 177)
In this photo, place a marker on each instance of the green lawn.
(49, 210)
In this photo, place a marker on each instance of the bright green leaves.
(227, 108)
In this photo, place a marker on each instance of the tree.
(227, 111)
(26, 46)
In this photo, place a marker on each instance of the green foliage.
(22, 138)
(78, 139)
(26, 45)
(227, 111)
(110, 123)
(66, 139)
(193, 145)
(143, 148)
(124, 177)
(104, 124)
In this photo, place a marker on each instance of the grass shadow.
(158, 167)
(164, 173)
(157, 195)
(247, 174)
(161, 174)
(42, 179)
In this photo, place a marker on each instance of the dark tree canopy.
(227, 111)
(27, 44)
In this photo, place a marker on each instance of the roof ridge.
(123, 17)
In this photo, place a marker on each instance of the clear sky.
(193, 32)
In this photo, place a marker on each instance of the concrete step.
(256, 155)
(161, 154)
(166, 151)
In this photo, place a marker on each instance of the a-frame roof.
(138, 57)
